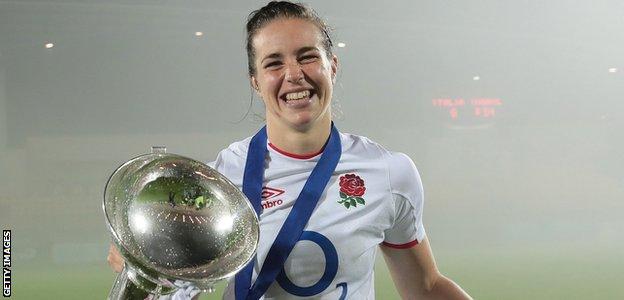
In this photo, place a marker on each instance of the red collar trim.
(297, 156)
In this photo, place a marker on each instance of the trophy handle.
(125, 287)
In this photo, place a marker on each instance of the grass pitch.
(548, 274)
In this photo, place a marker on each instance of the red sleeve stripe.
(401, 246)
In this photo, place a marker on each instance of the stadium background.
(512, 111)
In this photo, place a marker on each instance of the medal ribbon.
(298, 217)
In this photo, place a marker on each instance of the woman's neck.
(301, 142)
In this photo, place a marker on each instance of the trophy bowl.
(176, 221)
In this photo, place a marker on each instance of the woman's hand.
(115, 261)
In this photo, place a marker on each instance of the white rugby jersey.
(389, 211)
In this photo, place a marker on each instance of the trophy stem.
(125, 289)
(131, 286)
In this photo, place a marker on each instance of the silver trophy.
(176, 221)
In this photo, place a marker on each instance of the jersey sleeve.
(218, 163)
(407, 194)
(231, 162)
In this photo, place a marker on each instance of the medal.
(298, 217)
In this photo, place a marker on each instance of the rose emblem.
(351, 190)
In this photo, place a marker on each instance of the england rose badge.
(351, 190)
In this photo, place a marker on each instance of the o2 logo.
(331, 268)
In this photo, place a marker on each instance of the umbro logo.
(268, 193)
(268, 197)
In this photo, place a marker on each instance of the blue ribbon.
(298, 217)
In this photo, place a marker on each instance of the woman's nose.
(294, 74)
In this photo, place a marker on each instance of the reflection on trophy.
(176, 221)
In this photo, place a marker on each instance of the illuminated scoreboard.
(469, 113)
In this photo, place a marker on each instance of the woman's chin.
(306, 121)
(302, 123)
(301, 120)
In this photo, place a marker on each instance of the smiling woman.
(295, 76)
(341, 196)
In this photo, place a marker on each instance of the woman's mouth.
(298, 99)
(297, 96)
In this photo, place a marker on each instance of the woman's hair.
(282, 10)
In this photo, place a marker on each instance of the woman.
(326, 200)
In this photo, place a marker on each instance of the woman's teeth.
(297, 96)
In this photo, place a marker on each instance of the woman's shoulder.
(365, 146)
(232, 157)
(400, 166)
(360, 144)
(237, 149)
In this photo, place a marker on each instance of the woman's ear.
(334, 68)
(254, 83)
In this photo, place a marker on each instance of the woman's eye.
(308, 58)
(273, 65)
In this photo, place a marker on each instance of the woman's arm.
(416, 275)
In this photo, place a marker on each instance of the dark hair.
(282, 10)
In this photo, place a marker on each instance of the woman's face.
(294, 76)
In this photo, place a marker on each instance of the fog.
(511, 110)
